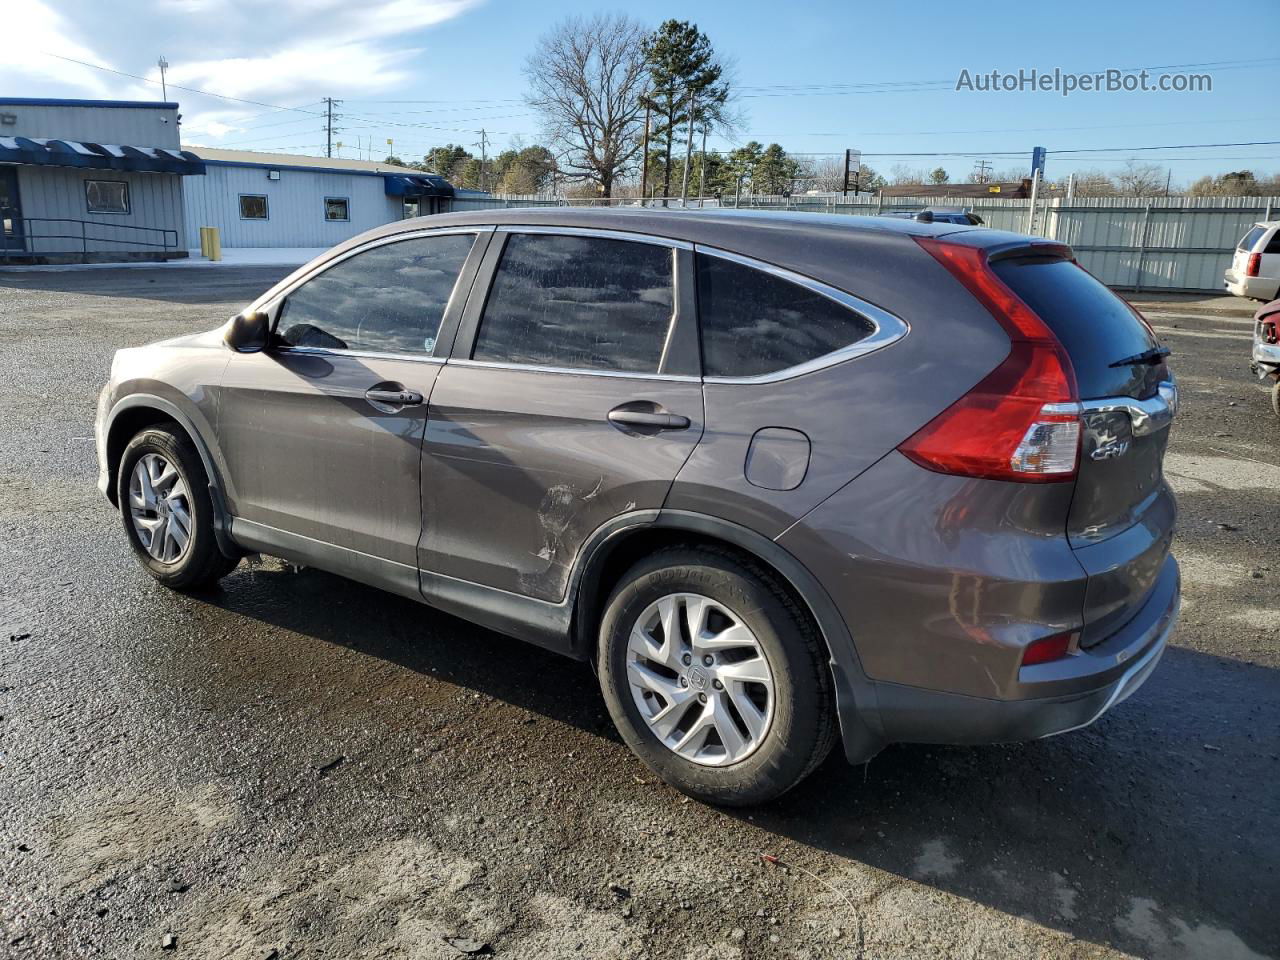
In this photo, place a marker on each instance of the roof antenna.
(163, 64)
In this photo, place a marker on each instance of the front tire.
(715, 677)
(163, 493)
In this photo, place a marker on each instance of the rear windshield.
(1095, 326)
(1251, 239)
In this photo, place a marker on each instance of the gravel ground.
(297, 765)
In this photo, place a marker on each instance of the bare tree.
(1141, 180)
(825, 176)
(1094, 183)
(586, 76)
(902, 175)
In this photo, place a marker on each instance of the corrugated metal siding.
(1162, 243)
(137, 126)
(155, 200)
(295, 205)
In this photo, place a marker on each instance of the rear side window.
(389, 299)
(1251, 239)
(587, 303)
(1273, 245)
(755, 323)
(1096, 327)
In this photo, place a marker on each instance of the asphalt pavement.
(299, 766)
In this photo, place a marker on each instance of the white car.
(1255, 268)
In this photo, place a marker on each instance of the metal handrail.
(28, 240)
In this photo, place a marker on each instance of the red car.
(1266, 349)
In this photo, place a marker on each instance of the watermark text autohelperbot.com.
(1065, 83)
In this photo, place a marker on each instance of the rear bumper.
(1254, 288)
(1064, 695)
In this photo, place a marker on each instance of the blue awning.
(98, 156)
(413, 187)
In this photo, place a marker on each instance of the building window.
(253, 207)
(336, 208)
(106, 196)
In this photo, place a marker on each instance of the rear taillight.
(1022, 421)
(1267, 331)
(1254, 266)
(1047, 648)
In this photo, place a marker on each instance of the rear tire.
(744, 660)
(163, 493)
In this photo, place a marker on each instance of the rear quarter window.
(1095, 326)
(1273, 245)
(1251, 239)
(756, 323)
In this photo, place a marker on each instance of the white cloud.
(287, 52)
(31, 28)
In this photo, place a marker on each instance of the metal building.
(92, 180)
(276, 200)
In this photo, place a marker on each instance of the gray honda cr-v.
(784, 478)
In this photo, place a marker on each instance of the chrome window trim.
(575, 371)
(1146, 416)
(887, 327)
(276, 302)
(599, 234)
(365, 354)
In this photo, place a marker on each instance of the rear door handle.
(394, 398)
(648, 420)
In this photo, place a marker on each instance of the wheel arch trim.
(149, 401)
(855, 694)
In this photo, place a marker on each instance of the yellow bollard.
(204, 242)
(215, 244)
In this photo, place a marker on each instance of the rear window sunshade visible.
(1095, 326)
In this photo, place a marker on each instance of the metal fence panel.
(1158, 243)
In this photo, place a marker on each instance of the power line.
(176, 86)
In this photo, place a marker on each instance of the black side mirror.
(925, 216)
(248, 332)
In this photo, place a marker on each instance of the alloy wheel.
(700, 679)
(160, 508)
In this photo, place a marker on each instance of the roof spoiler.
(1047, 249)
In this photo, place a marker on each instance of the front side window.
(106, 196)
(253, 207)
(587, 303)
(389, 299)
(755, 323)
(335, 208)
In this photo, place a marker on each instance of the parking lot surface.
(296, 765)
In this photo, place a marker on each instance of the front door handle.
(394, 398)
(648, 417)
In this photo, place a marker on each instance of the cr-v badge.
(1109, 447)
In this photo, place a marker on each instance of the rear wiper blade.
(1152, 356)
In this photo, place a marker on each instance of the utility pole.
(702, 168)
(688, 155)
(1168, 181)
(983, 169)
(484, 146)
(644, 153)
(163, 64)
(328, 126)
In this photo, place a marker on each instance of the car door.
(573, 396)
(322, 431)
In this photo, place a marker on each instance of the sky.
(816, 77)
